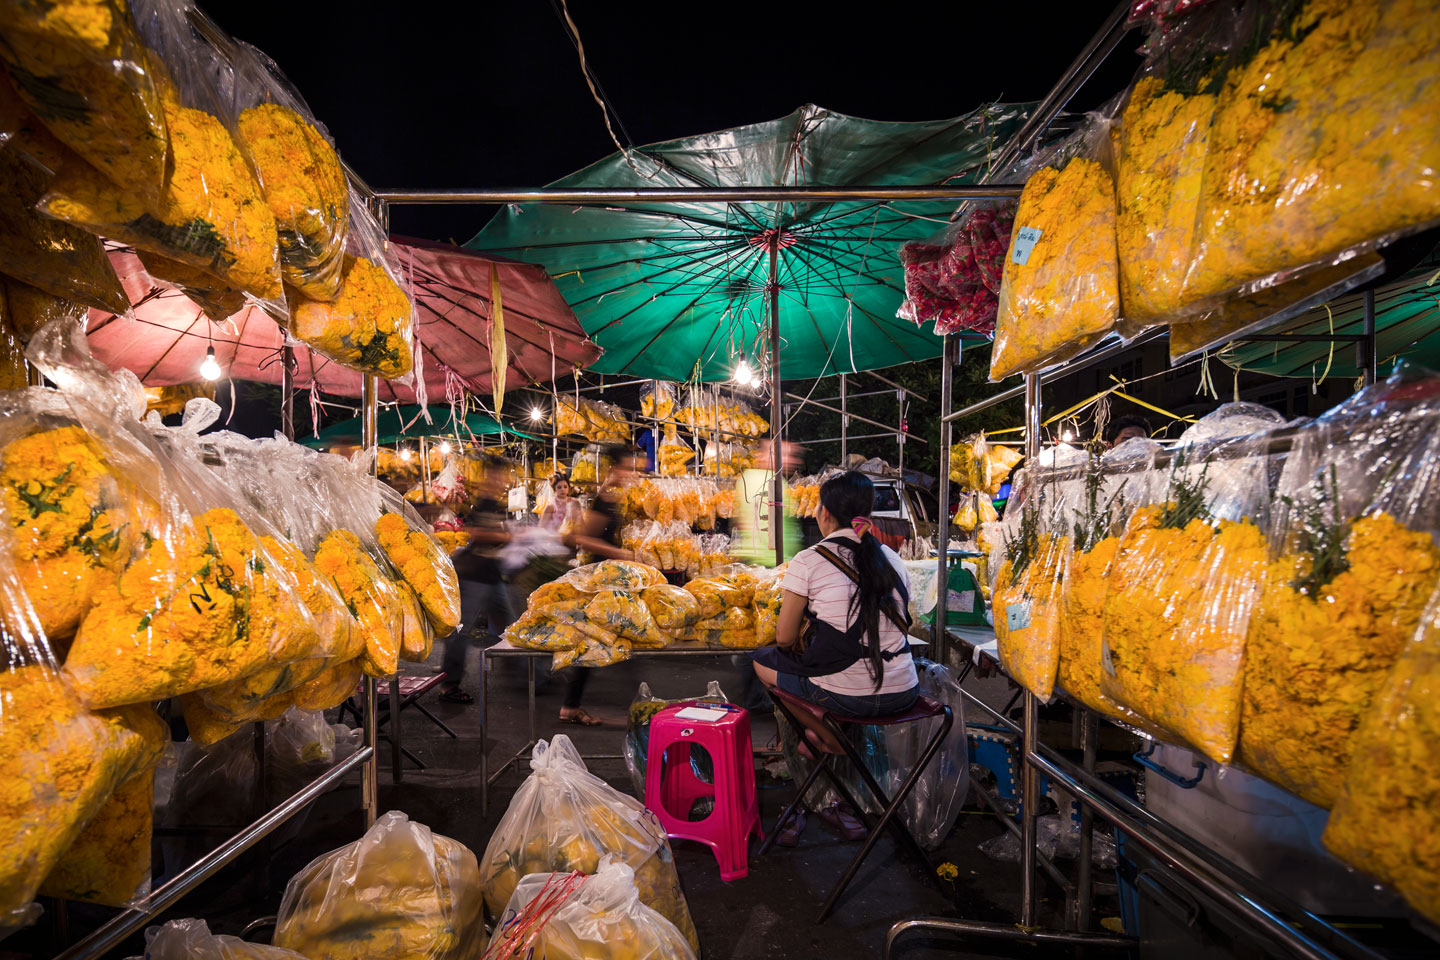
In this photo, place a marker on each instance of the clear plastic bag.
(1186, 578)
(399, 891)
(109, 862)
(931, 809)
(369, 325)
(299, 172)
(1355, 562)
(1161, 141)
(84, 71)
(1060, 293)
(216, 300)
(1323, 142)
(573, 917)
(674, 454)
(637, 728)
(211, 213)
(673, 608)
(564, 818)
(1384, 821)
(192, 940)
(426, 567)
(62, 260)
(657, 401)
(1027, 598)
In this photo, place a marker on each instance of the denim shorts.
(870, 705)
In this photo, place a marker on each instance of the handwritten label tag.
(1025, 240)
(1017, 615)
(961, 601)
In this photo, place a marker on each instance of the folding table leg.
(484, 733)
(790, 810)
(396, 767)
(434, 719)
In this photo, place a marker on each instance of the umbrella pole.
(370, 772)
(777, 508)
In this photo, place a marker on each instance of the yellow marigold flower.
(372, 600)
(80, 67)
(60, 497)
(1065, 296)
(186, 615)
(1176, 617)
(1078, 669)
(305, 186)
(947, 871)
(426, 567)
(1314, 663)
(211, 215)
(1027, 616)
(367, 326)
(1325, 138)
(60, 763)
(1386, 820)
(215, 298)
(1160, 157)
(329, 689)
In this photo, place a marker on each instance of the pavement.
(767, 914)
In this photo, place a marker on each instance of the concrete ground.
(767, 914)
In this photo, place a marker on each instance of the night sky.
(490, 93)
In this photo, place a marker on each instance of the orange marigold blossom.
(211, 215)
(184, 616)
(372, 599)
(1386, 820)
(1066, 294)
(1326, 138)
(1176, 615)
(60, 497)
(367, 327)
(305, 185)
(425, 567)
(1314, 663)
(1027, 616)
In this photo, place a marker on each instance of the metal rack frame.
(1273, 914)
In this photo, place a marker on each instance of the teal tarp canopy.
(679, 291)
(1407, 326)
(392, 421)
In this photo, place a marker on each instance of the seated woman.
(847, 598)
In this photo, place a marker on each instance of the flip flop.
(582, 719)
(456, 696)
(845, 822)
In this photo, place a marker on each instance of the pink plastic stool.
(671, 784)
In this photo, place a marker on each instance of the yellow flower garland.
(372, 599)
(425, 568)
(1030, 651)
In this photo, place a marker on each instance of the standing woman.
(854, 593)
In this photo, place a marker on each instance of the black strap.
(888, 608)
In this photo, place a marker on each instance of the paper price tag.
(1017, 616)
(1025, 240)
(961, 601)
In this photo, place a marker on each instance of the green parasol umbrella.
(681, 291)
(393, 422)
(1407, 325)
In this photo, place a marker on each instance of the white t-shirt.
(829, 590)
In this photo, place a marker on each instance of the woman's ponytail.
(849, 499)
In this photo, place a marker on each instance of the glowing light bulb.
(536, 414)
(209, 369)
(406, 454)
(445, 447)
(743, 374)
(1067, 436)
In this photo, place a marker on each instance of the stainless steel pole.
(1030, 723)
(370, 773)
(1368, 360)
(900, 437)
(584, 195)
(777, 462)
(844, 424)
(949, 355)
(1089, 745)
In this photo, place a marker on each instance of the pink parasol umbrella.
(164, 339)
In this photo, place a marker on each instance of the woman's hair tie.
(862, 525)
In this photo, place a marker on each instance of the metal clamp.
(1184, 783)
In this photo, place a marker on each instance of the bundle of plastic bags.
(570, 916)
(1027, 596)
(1354, 563)
(591, 616)
(192, 940)
(563, 818)
(397, 893)
(657, 401)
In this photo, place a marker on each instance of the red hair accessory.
(862, 525)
